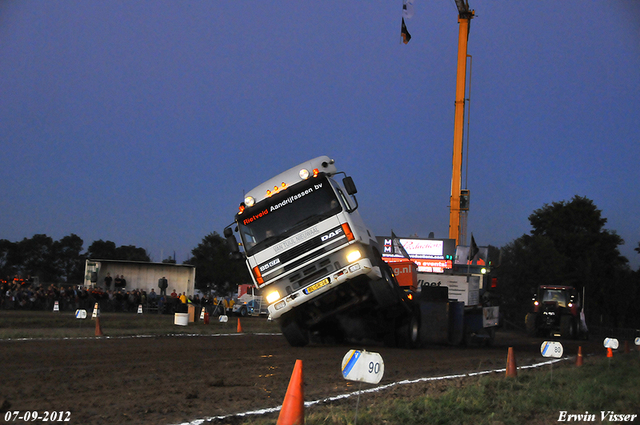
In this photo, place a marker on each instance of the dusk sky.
(145, 122)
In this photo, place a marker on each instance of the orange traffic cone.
(609, 352)
(98, 327)
(292, 412)
(239, 327)
(206, 318)
(579, 358)
(511, 364)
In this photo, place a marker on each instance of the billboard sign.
(430, 255)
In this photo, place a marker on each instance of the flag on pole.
(407, 12)
(404, 33)
(397, 246)
(473, 250)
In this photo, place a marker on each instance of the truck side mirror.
(232, 243)
(349, 185)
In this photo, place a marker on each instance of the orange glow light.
(258, 275)
(347, 231)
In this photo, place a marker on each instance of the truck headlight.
(353, 256)
(273, 297)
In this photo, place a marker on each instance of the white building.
(141, 275)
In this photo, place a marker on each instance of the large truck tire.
(384, 289)
(294, 333)
(567, 327)
(530, 324)
(408, 333)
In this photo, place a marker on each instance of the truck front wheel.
(295, 334)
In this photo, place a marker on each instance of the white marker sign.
(362, 366)
(81, 314)
(551, 349)
(611, 343)
(638, 340)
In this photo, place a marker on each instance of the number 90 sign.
(362, 366)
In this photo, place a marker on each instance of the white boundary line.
(370, 390)
(133, 337)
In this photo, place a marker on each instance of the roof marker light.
(304, 174)
(249, 201)
(316, 172)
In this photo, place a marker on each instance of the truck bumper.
(362, 267)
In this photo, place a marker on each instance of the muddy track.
(168, 380)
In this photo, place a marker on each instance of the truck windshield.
(555, 295)
(282, 215)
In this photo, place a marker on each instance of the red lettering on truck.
(254, 217)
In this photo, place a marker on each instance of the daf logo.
(330, 235)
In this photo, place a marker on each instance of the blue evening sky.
(144, 122)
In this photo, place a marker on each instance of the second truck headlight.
(353, 256)
(273, 297)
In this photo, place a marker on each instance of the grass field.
(536, 396)
(45, 324)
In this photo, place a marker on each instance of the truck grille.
(300, 249)
(309, 275)
(314, 258)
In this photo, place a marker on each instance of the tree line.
(59, 261)
(63, 261)
(567, 245)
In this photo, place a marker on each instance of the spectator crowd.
(23, 294)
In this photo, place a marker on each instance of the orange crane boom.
(464, 19)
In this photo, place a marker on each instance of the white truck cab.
(304, 241)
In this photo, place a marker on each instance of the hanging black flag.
(397, 246)
(473, 250)
(405, 34)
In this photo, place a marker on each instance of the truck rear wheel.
(408, 333)
(295, 334)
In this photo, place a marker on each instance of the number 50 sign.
(362, 366)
